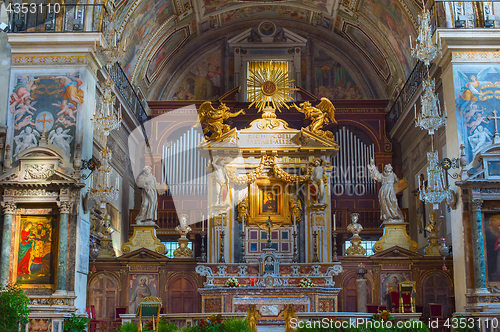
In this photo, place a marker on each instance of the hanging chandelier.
(105, 118)
(103, 192)
(431, 116)
(435, 192)
(110, 53)
(425, 50)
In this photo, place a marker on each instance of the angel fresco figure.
(27, 120)
(389, 209)
(22, 90)
(480, 139)
(480, 118)
(27, 138)
(70, 85)
(61, 139)
(471, 89)
(65, 109)
(321, 115)
(23, 108)
(213, 119)
(65, 122)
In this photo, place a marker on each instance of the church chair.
(407, 296)
(371, 308)
(436, 310)
(95, 325)
(394, 302)
(115, 325)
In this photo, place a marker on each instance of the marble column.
(9, 209)
(64, 210)
(478, 249)
(361, 294)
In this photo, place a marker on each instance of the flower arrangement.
(232, 282)
(306, 282)
(382, 315)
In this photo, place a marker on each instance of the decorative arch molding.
(374, 85)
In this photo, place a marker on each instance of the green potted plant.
(128, 327)
(76, 324)
(14, 308)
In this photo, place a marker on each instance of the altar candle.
(295, 224)
(410, 40)
(242, 224)
(334, 223)
(203, 223)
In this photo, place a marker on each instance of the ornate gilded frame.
(258, 193)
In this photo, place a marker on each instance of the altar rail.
(185, 319)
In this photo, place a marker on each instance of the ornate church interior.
(267, 160)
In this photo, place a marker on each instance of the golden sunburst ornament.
(268, 84)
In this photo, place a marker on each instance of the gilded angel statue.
(213, 119)
(321, 115)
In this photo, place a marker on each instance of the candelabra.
(295, 252)
(110, 53)
(243, 259)
(203, 254)
(103, 192)
(425, 50)
(315, 257)
(94, 250)
(431, 116)
(335, 258)
(221, 256)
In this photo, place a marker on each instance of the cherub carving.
(321, 115)
(213, 119)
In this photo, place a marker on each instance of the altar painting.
(492, 247)
(477, 95)
(268, 201)
(141, 286)
(45, 106)
(36, 246)
(390, 282)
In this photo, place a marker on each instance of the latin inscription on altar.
(267, 139)
(143, 239)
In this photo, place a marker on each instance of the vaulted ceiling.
(370, 37)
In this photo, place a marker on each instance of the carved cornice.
(9, 207)
(65, 207)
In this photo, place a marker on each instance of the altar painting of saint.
(141, 286)
(268, 202)
(492, 247)
(35, 260)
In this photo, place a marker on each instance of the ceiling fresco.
(155, 32)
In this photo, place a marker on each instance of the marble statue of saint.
(149, 196)
(183, 227)
(389, 209)
(221, 181)
(318, 178)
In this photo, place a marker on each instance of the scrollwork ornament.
(9, 207)
(64, 207)
(477, 203)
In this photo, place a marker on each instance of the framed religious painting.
(139, 287)
(492, 246)
(36, 251)
(267, 199)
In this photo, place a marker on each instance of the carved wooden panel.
(182, 296)
(104, 296)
